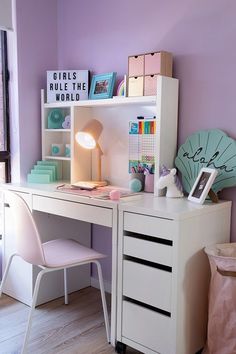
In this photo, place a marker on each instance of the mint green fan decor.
(212, 149)
(55, 119)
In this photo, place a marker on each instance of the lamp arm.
(99, 162)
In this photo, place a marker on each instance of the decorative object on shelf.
(121, 89)
(67, 150)
(57, 149)
(202, 185)
(102, 86)
(55, 119)
(212, 149)
(66, 123)
(43, 172)
(67, 85)
(143, 70)
(169, 179)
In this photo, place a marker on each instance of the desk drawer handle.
(6, 205)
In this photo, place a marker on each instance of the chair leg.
(104, 303)
(65, 286)
(34, 299)
(6, 272)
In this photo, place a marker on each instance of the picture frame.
(202, 185)
(102, 86)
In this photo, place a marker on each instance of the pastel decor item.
(56, 149)
(66, 123)
(55, 119)
(67, 150)
(47, 167)
(114, 194)
(135, 185)
(211, 149)
(149, 183)
(50, 163)
(169, 180)
(36, 178)
(121, 89)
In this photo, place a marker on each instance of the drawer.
(73, 210)
(136, 65)
(148, 328)
(149, 225)
(25, 196)
(151, 251)
(147, 284)
(135, 87)
(158, 63)
(152, 63)
(150, 85)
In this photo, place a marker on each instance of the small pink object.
(114, 194)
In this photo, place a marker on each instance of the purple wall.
(99, 35)
(37, 52)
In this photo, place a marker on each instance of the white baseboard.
(95, 284)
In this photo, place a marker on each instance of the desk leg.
(114, 276)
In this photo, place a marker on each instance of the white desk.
(169, 232)
(47, 203)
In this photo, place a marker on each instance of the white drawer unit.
(163, 273)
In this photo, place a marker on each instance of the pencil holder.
(149, 183)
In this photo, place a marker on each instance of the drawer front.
(25, 196)
(152, 63)
(73, 210)
(136, 86)
(147, 284)
(136, 65)
(148, 328)
(150, 85)
(148, 250)
(148, 225)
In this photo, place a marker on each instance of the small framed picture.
(202, 185)
(102, 86)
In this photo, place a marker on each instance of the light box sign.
(67, 85)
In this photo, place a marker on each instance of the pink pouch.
(221, 330)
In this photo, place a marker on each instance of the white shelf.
(58, 130)
(62, 158)
(115, 101)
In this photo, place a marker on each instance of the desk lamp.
(88, 139)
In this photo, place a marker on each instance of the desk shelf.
(114, 114)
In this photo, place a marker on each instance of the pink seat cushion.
(60, 253)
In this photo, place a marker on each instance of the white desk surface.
(172, 208)
(145, 203)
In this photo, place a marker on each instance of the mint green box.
(43, 172)
(47, 167)
(50, 163)
(32, 178)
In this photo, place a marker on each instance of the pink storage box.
(158, 63)
(150, 85)
(136, 65)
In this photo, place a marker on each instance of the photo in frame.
(102, 86)
(202, 185)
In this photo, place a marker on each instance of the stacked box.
(43, 172)
(143, 70)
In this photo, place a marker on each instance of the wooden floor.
(77, 328)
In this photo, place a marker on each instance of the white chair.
(49, 256)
